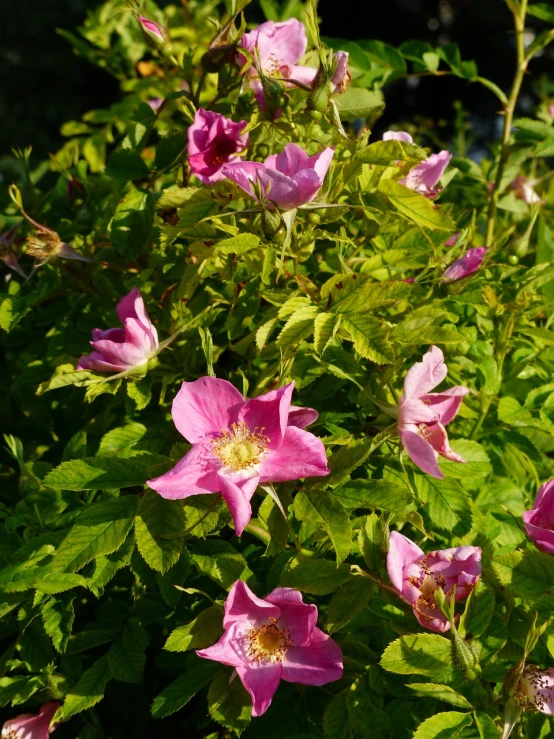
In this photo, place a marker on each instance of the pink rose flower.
(539, 521)
(416, 576)
(424, 177)
(535, 690)
(524, 191)
(341, 77)
(238, 443)
(289, 179)
(452, 240)
(273, 639)
(119, 349)
(466, 265)
(213, 142)
(422, 415)
(278, 46)
(30, 726)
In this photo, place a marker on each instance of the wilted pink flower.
(6, 254)
(289, 179)
(155, 30)
(424, 177)
(466, 265)
(341, 76)
(276, 47)
(30, 726)
(539, 521)
(524, 191)
(416, 576)
(119, 349)
(214, 141)
(273, 639)
(422, 415)
(535, 690)
(238, 443)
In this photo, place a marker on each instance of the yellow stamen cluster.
(240, 448)
(269, 642)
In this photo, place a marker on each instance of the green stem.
(522, 62)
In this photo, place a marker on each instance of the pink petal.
(111, 334)
(204, 408)
(96, 362)
(124, 355)
(402, 551)
(318, 663)
(420, 452)
(237, 494)
(194, 474)
(397, 136)
(424, 376)
(446, 404)
(230, 648)
(279, 188)
(261, 680)
(438, 438)
(297, 617)
(302, 417)
(542, 537)
(278, 44)
(291, 160)
(243, 173)
(432, 619)
(321, 162)
(242, 605)
(143, 337)
(301, 454)
(416, 410)
(308, 183)
(305, 75)
(29, 726)
(546, 495)
(270, 412)
(132, 306)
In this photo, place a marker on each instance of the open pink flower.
(535, 690)
(539, 521)
(289, 179)
(424, 177)
(466, 265)
(214, 141)
(278, 47)
(417, 576)
(422, 415)
(238, 443)
(30, 726)
(118, 349)
(273, 639)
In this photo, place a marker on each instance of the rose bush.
(242, 512)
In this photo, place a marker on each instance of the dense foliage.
(258, 242)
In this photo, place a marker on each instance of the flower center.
(9, 734)
(240, 448)
(533, 690)
(269, 642)
(428, 583)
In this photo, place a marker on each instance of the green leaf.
(316, 576)
(349, 600)
(512, 412)
(477, 463)
(126, 658)
(443, 725)
(370, 337)
(448, 505)
(419, 654)
(106, 473)
(87, 691)
(159, 528)
(485, 726)
(202, 632)
(440, 693)
(347, 459)
(369, 542)
(176, 575)
(58, 615)
(221, 563)
(416, 207)
(125, 165)
(355, 293)
(357, 102)
(320, 507)
(238, 245)
(169, 149)
(106, 566)
(336, 722)
(17, 690)
(478, 611)
(544, 11)
(201, 514)
(528, 574)
(59, 582)
(121, 438)
(101, 529)
(198, 673)
(383, 494)
(325, 325)
(228, 702)
(387, 153)
(365, 717)
(141, 392)
(131, 226)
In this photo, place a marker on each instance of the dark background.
(43, 84)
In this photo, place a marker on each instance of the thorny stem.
(522, 62)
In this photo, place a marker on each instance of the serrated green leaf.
(357, 102)
(387, 153)
(197, 674)
(237, 244)
(383, 494)
(349, 600)
(141, 392)
(221, 563)
(126, 658)
(58, 615)
(228, 702)
(529, 574)
(125, 165)
(370, 337)
(202, 632)
(445, 725)
(320, 507)
(201, 514)
(416, 207)
(87, 691)
(131, 226)
(441, 693)
(316, 576)
(59, 582)
(121, 438)
(448, 505)
(477, 463)
(106, 473)
(159, 528)
(478, 611)
(325, 325)
(419, 654)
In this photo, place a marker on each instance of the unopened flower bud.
(271, 222)
(153, 31)
(463, 656)
(318, 99)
